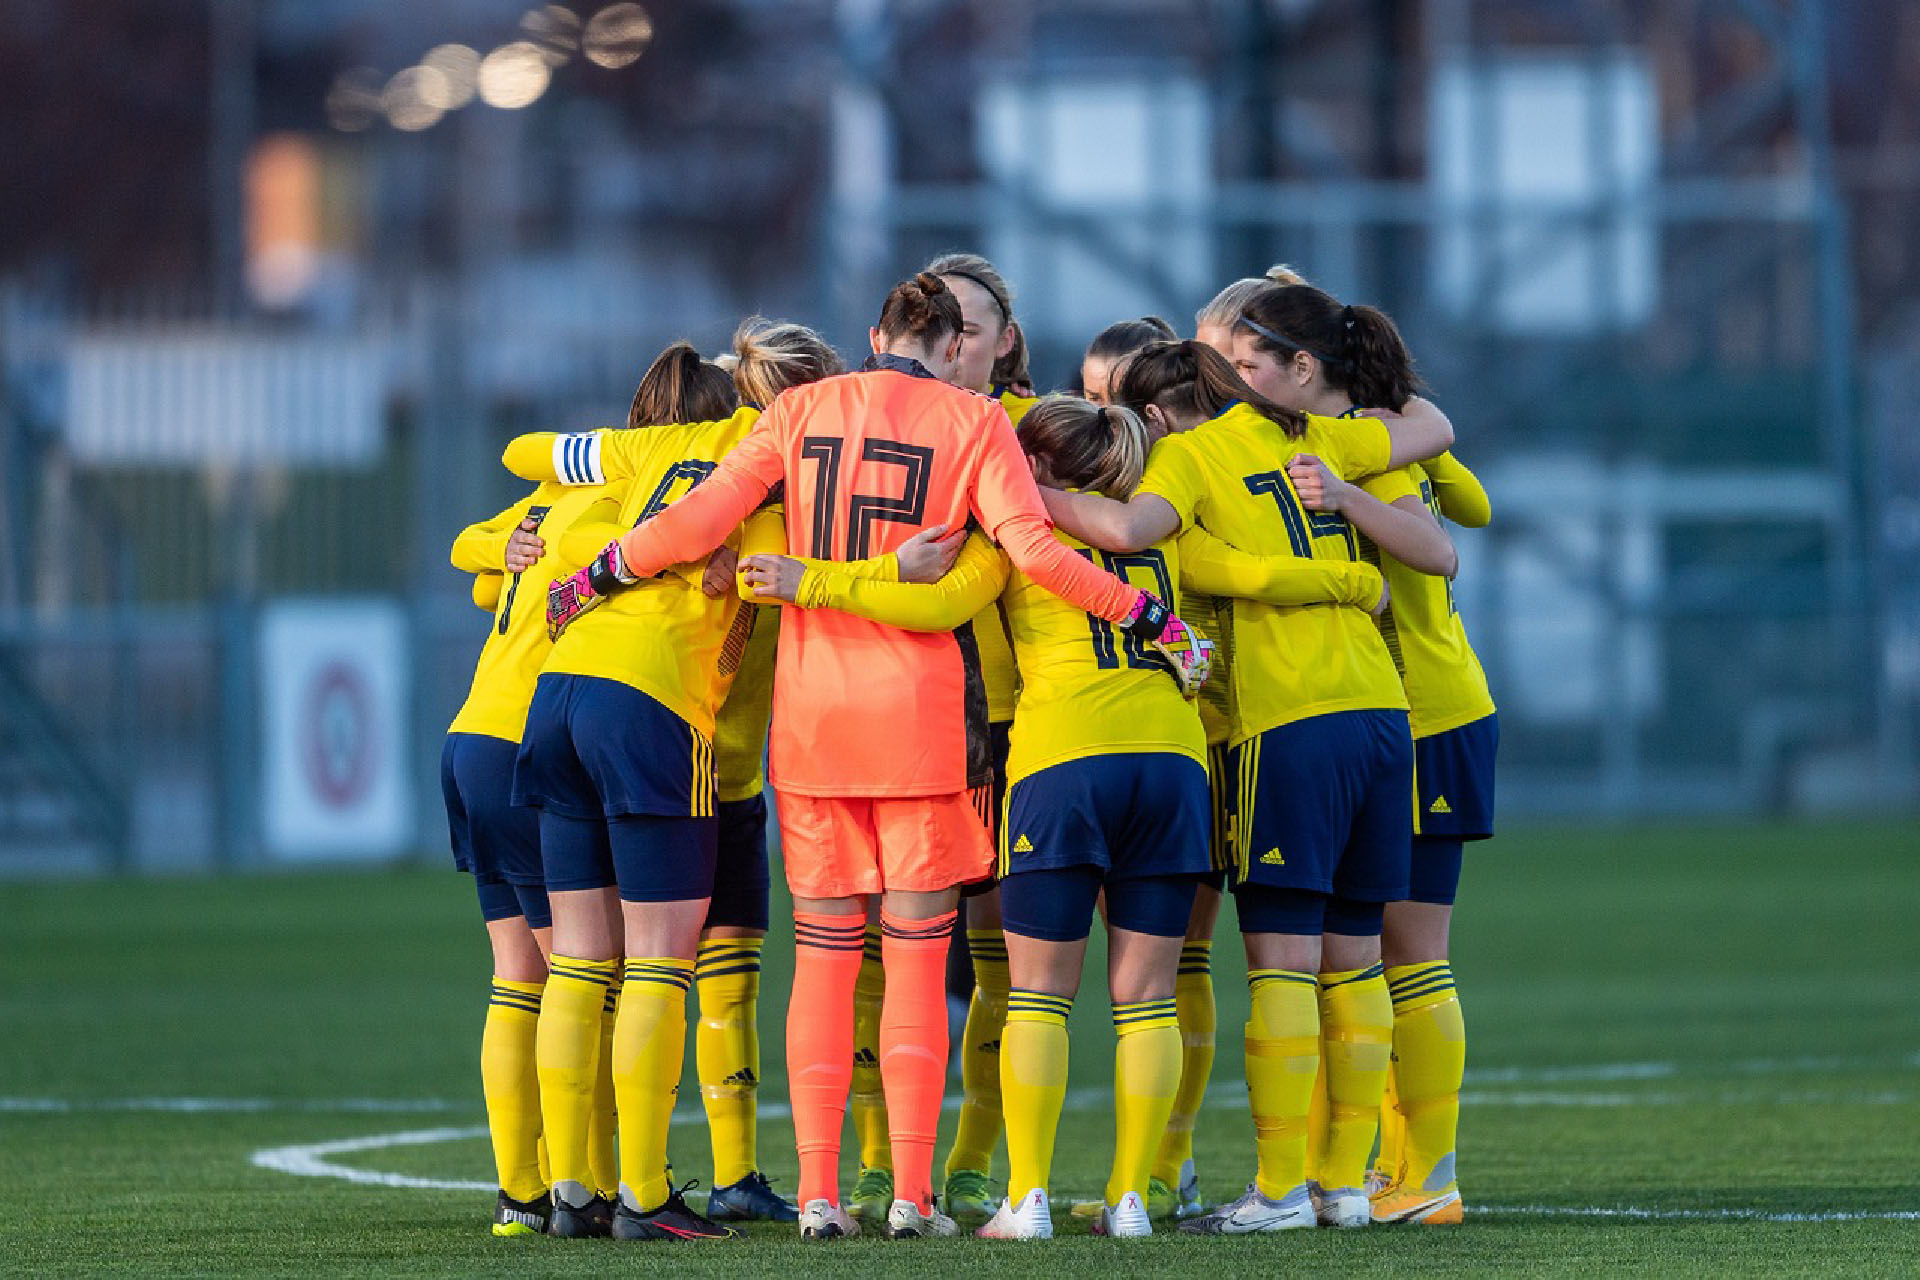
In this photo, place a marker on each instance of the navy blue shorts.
(650, 858)
(1264, 908)
(1055, 904)
(502, 901)
(740, 879)
(1220, 794)
(1322, 805)
(1453, 777)
(491, 836)
(1131, 814)
(596, 748)
(1436, 871)
(999, 740)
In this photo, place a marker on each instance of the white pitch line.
(309, 1160)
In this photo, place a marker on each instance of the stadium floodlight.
(617, 35)
(514, 76)
(556, 29)
(459, 66)
(410, 98)
(353, 101)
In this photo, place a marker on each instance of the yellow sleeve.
(482, 547)
(1362, 447)
(1462, 498)
(768, 537)
(974, 582)
(590, 532)
(576, 457)
(1211, 567)
(1391, 486)
(486, 589)
(1172, 473)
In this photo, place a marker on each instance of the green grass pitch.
(1692, 1049)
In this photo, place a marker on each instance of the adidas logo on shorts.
(1272, 858)
(1023, 845)
(1439, 805)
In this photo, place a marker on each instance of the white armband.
(576, 458)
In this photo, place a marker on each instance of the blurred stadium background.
(280, 276)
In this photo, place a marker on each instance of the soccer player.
(993, 362)
(1455, 733)
(618, 759)
(1320, 745)
(766, 357)
(500, 844)
(879, 752)
(1101, 369)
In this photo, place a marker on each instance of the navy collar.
(896, 364)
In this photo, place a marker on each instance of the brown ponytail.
(769, 356)
(922, 309)
(681, 387)
(1192, 379)
(1359, 350)
(1079, 445)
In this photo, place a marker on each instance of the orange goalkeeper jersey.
(868, 459)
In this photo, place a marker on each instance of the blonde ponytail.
(769, 356)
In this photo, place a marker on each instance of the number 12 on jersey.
(1108, 642)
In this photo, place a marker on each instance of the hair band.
(1271, 336)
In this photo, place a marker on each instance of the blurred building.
(281, 275)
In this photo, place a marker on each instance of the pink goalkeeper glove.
(1187, 652)
(575, 594)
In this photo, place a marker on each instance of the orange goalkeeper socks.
(913, 1045)
(826, 963)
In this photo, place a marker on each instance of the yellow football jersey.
(1445, 684)
(740, 730)
(1202, 612)
(1087, 688)
(998, 671)
(517, 647)
(664, 636)
(1229, 475)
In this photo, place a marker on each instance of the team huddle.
(1010, 660)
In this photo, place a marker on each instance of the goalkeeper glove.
(575, 594)
(1188, 653)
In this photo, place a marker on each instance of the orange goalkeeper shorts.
(842, 846)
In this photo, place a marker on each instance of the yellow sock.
(606, 1123)
(727, 1051)
(1283, 1052)
(1393, 1128)
(1146, 1076)
(511, 1086)
(1317, 1117)
(1430, 1042)
(1356, 1027)
(649, 1049)
(869, 1104)
(1193, 1001)
(567, 1049)
(1033, 1081)
(979, 1129)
